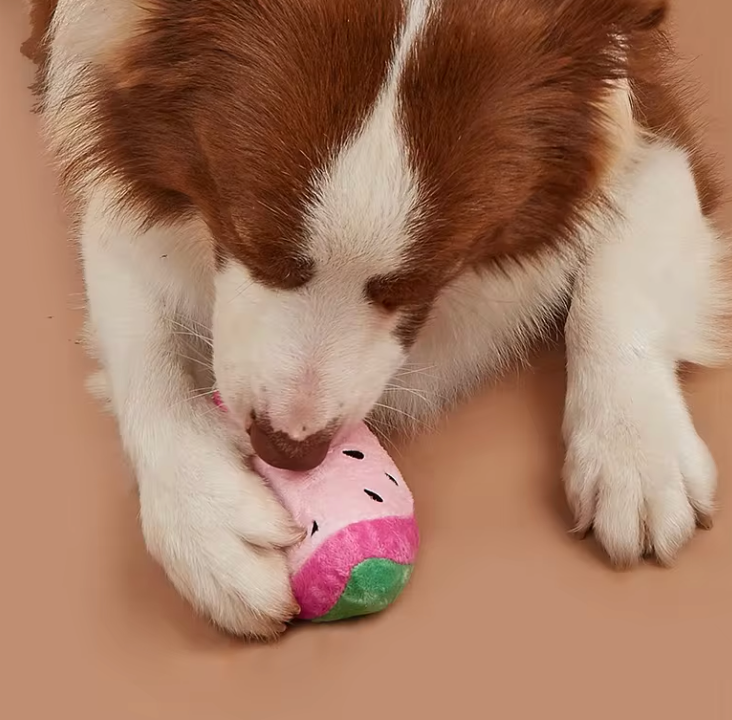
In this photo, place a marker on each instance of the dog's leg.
(649, 296)
(212, 524)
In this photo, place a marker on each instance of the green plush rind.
(373, 585)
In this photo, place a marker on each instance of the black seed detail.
(356, 454)
(315, 528)
(392, 478)
(374, 496)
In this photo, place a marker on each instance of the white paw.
(218, 532)
(636, 471)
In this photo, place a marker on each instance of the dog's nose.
(279, 450)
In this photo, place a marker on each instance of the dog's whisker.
(416, 371)
(210, 411)
(391, 408)
(206, 341)
(241, 290)
(203, 340)
(196, 395)
(202, 393)
(192, 332)
(384, 437)
(205, 328)
(421, 394)
(203, 363)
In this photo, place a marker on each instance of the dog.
(332, 210)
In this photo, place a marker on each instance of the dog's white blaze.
(367, 196)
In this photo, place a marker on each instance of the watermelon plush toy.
(362, 536)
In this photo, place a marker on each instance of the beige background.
(507, 616)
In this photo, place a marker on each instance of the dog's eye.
(389, 305)
(384, 304)
(401, 291)
(383, 294)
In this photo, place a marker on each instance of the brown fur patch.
(232, 107)
(504, 105)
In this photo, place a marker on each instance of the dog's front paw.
(219, 534)
(636, 471)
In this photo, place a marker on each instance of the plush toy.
(362, 535)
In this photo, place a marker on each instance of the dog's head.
(352, 158)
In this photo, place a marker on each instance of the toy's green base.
(373, 585)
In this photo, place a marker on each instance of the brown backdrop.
(507, 616)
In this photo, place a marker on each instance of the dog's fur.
(334, 209)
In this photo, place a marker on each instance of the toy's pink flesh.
(334, 495)
(355, 506)
(322, 578)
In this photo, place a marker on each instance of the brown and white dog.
(334, 209)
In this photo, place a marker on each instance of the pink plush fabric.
(324, 575)
(346, 489)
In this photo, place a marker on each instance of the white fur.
(646, 296)
(211, 523)
(480, 325)
(368, 195)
